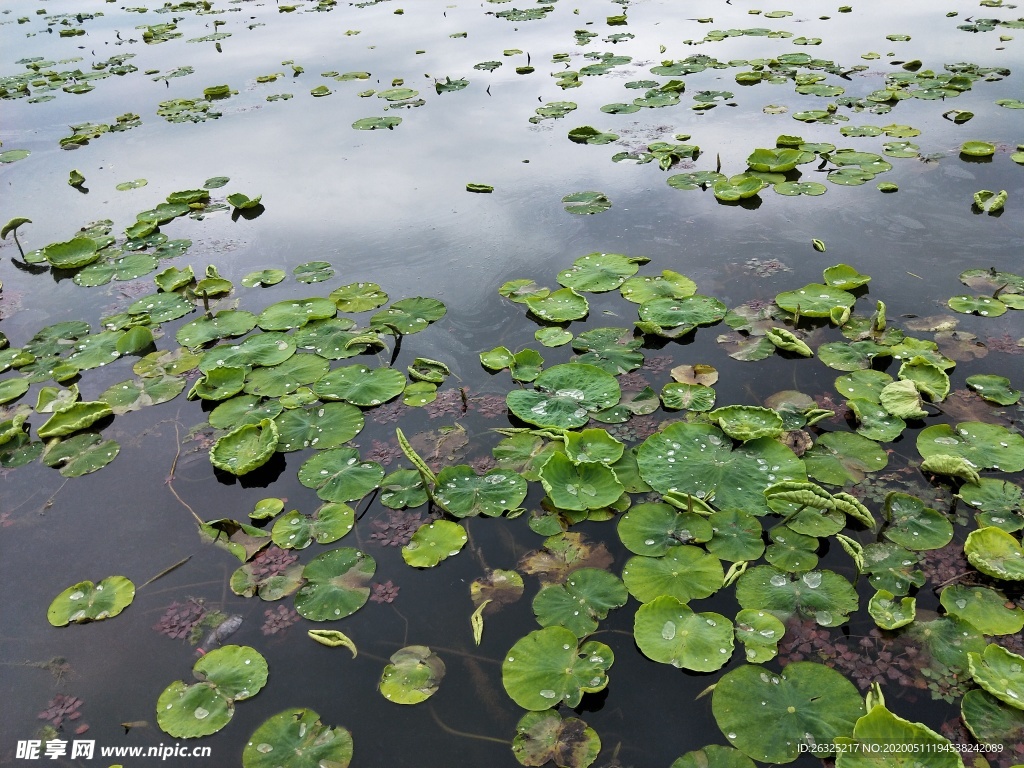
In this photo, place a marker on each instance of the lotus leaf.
(218, 384)
(360, 385)
(891, 567)
(223, 324)
(409, 315)
(778, 160)
(13, 388)
(162, 307)
(999, 502)
(692, 397)
(845, 277)
(863, 384)
(738, 187)
(985, 446)
(875, 422)
(579, 486)
(265, 349)
(338, 475)
(286, 376)
(553, 336)
(81, 454)
(856, 356)
(680, 315)
(521, 290)
(414, 674)
(463, 493)
(125, 267)
(295, 313)
(559, 306)
(336, 584)
(274, 584)
(335, 339)
(87, 601)
(243, 202)
(791, 551)
(75, 417)
(592, 446)
(565, 395)
(984, 608)
(991, 721)
(808, 703)
(995, 553)
(669, 284)
(244, 409)
(747, 422)
(902, 400)
(613, 350)
(890, 614)
(263, 277)
(72, 254)
(578, 604)
(227, 674)
(787, 341)
(266, 509)
(433, 542)
(403, 488)
(297, 738)
(824, 596)
(667, 631)
(928, 378)
(695, 180)
(544, 736)
(329, 523)
(599, 272)
(700, 459)
(684, 572)
(736, 536)
(1000, 673)
(134, 341)
(135, 394)
(548, 666)
(526, 365)
(904, 738)
(838, 458)
(913, 525)
(587, 202)
(985, 306)
(995, 389)
(325, 426)
(760, 633)
(814, 300)
(497, 358)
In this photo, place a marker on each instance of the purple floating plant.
(271, 562)
(489, 406)
(397, 529)
(383, 453)
(278, 620)
(384, 593)
(61, 708)
(449, 401)
(180, 619)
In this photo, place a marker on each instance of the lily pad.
(81, 454)
(542, 737)
(87, 601)
(325, 426)
(463, 493)
(808, 702)
(263, 277)
(360, 385)
(339, 475)
(414, 675)
(297, 738)
(579, 486)
(358, 297)
(599, 272)
(565, 395)
(547, 667)
(815, 300)
(585, 598)
(433, 542)
(684, 572)
(991, 721)
(747, 422)
(669, 284)
(998, 503)
(999, 672)
(995, 553)
(586, 202)
(881, 727)
(410, 315)
(983, 607)
(995, 389)
(985, 446)
(913, 525)
(328, 523)
(669, 632)
(824, 596)
(337, 584)
(890, 613)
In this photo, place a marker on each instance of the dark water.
(391, 207)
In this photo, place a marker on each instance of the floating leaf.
(297, 738)
(669, 632)
(544, 736)
(548, 666)
(337, 584)
(433, 542)
(87, 601)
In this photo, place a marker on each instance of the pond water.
(487, 93)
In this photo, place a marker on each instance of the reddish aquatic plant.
(278, 620)
(397, 529)
(489, 406)
(180, 619)
(61, 708)
(271, 562)
(384, 593)
(383, 453)
(452, 401)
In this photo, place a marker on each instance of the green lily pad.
(586, 597)
(87, 601)
(677, 317)
(652, 529)
(376, 123)
(890, 614)
(892, 568)
(559, 306)
(222, 325)
(313, 272)
(700, 459)
(360, 385)
(839, 458)
(736, 536)
(75, 253)
(845, 277)
(338, 475)
(991, 721)
(579, 486)
(760, 633)
(227, 674)
(684, 572)
(855, 356)
(815, 300)
(977, 149)
(586, 202)
(328, 523)
(243, 202)
(403, 488)
(263, 277)
(995, 553)
(999, 503)
(409, 315)
(433, 542)
(692, 397)
(983, 607)
(600, 272)
(12, 389)
(913, 525)
(902, 400)
(668, 631)
(565, 395)
(824, 596)
(218, 384)
(548, 666)
(297, 738)
(995, 389)
(75, 417)
(336, 338)
(81, 454)
(134, 394)
(747, 422)
(985, 446)
(544, 736)
(928, 378)
(985, 306)
(738, 188)
(414, 675)
(337, 584)
(264, 349)
(295, 313)
(881, 727)
(463, 493)
(808, 703)
(668, 284)
(696, 180)
(287, 376)
(325, 426)
(245, 448)
(1000, 673)
(779, 160)
(788, 342)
